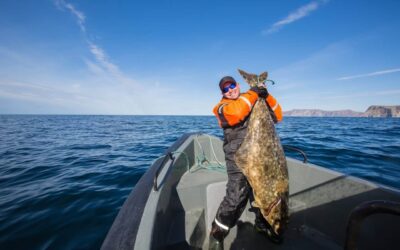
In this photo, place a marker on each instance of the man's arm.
(275, 107)
(233, 112)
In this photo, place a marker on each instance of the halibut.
(262, 160)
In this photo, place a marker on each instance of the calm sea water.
(63, 179)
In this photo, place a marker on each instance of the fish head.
(278, 219)
(254, 80)
(277, 215)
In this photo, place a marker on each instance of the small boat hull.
(175, 201)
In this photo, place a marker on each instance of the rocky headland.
(372, 111)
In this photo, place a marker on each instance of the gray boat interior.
(191, 186)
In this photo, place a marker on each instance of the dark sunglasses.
(226, 89)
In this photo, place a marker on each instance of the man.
(232, 113)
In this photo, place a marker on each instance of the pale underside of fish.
(262, 160)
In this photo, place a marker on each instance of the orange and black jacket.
(232, 112)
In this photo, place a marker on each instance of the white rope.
(213, 151)
(220, 166)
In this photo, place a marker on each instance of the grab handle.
(305, 160)
(362, 211)
(166, 158)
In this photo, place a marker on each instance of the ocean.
(63, 178)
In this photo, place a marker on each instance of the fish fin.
(263, 76)
(253, 79)
(244, 74)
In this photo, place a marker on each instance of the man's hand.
(261, 92)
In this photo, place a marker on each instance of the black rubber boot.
(217, 236)
(262, 226)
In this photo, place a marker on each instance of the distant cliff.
(372, 111)
(383, 111)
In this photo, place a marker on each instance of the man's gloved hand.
(261, 92)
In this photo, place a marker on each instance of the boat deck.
(243, 236)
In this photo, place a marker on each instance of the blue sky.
(166, 57)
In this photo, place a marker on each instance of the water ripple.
(63, 179)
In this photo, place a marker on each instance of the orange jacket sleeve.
(232, 112)
(275, 106)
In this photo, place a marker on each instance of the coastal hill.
(372, 111)
(383, 111)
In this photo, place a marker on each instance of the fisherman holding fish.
(232, 113)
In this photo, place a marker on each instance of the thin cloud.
(99, 54)
(35, 92)
(390, 92)
(296, 15)
(101, 57)
(80, 17)
(26, 85)
(382, 72)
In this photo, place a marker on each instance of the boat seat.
(192, 187)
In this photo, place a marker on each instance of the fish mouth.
(277, 201)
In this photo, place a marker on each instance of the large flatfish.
(262, 160)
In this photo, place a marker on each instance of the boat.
(173, 204)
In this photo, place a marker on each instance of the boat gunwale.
(124, 230)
